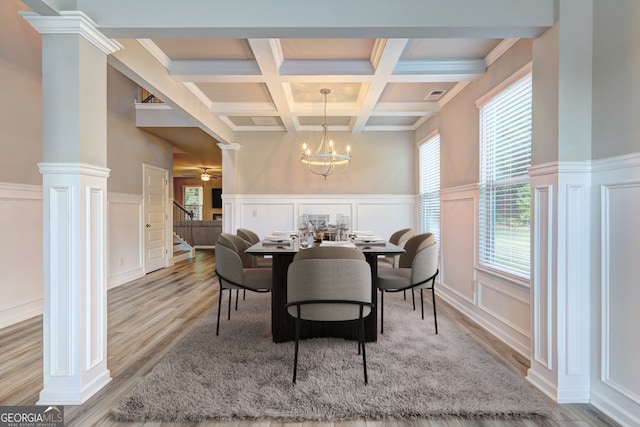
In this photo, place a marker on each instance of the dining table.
(283, 325)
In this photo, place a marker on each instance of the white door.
(155, 218)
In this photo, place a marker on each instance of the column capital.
(233, 146)
(72, 22)
(61, 168)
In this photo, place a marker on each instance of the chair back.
(400, 237)
(228, 262)
(329, 274)
(413, 246)
(248, 235)
(240, 245)
(425, 264)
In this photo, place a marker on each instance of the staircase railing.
(180, 214)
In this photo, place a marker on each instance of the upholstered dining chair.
(417, 269)
(329, 284)
(398, 238)
(253, 238)
(235, 270)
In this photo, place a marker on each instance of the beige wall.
(269, 163)
(545, 98)
(616, 78)
(20, 97)
(458, 121)
(127, 146)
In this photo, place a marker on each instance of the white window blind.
(429, 205)
(505, 191)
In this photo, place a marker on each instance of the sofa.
(199, 233)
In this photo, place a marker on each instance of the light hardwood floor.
(147, 317)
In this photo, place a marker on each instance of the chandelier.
(325, 159)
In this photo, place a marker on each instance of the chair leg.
(405, 295)
(237, 293)
(433, 296)
(244, 294)
(230, 298)
(219, 308)
(364, 354)
(381, 312)
(421, 304)
(413, 298)
(295, 357)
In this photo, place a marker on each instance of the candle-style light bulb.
(348, 149)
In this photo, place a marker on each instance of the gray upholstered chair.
(398, 238)
(253, 238)
(235, 270)
(329, 284)
(417, 269)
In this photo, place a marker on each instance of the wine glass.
(303, 229)
(344, 225)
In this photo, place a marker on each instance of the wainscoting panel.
(615, 383)
(263, 214)
(125, 238)
(21, 286)
(620, 291)
(458, 245)
(267, 216)
(543, 280)
(508, 306)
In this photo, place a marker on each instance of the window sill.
(503, 275)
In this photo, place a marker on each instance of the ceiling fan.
(204, 176)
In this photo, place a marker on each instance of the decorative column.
(561, 205)
(74, 87)
(229, 185)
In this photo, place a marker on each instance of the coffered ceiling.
(274, 84)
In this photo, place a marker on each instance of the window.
(505, 190)
(192, 200)
(429, 205)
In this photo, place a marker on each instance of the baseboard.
(122, 278)
(22, 312)
(615, 411)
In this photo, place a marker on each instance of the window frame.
(429, 192)
(198, 210)
(486, 241)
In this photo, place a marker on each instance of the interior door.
(155, 218)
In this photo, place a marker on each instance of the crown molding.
(72, 22)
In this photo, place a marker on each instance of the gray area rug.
(242, 374)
